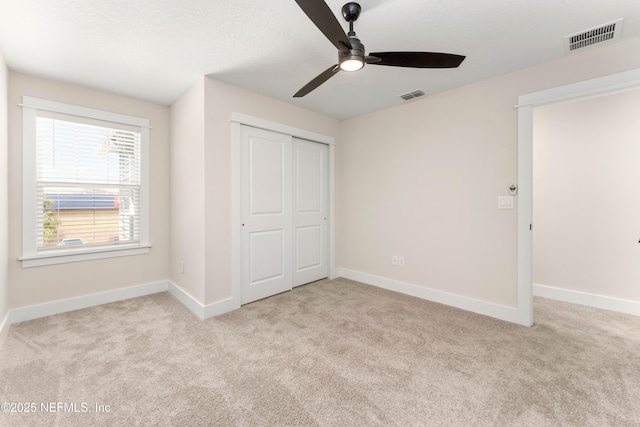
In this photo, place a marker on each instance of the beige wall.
(419, 180)
(221, 100)
(586, 186)
(422, 180)
(187, 192)
(35, 285)
(4, 197)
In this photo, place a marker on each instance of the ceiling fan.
(351, 53)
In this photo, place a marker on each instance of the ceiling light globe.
(351, 64)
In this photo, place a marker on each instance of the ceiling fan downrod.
(351, 12)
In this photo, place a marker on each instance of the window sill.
(86, 255)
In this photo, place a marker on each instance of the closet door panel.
(310, 200)
(266, 214)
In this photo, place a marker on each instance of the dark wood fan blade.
(418, 59)
(322, 77)
(325, 20)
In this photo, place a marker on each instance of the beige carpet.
(331, 353)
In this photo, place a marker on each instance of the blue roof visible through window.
(83, 201)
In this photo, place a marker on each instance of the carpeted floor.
(331, 353)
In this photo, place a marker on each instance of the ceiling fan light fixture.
(351, 63)
(352, 59)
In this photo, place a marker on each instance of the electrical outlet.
(401, 261)
(394, 260)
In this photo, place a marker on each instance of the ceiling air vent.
(593, 36)
(411, 95)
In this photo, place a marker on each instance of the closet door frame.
(237, 120)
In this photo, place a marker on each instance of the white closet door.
(266, 214)
(310, 200)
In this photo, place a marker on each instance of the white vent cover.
(593, 36)
(412, 95)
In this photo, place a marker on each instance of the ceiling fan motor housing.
(356, 51)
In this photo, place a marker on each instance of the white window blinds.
(85, 183)
(88, 184)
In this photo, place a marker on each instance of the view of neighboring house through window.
(88, 184)
(85, 183)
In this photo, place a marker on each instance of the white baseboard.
(187, 300)
(590, 300)
(200, 310)
(62, 306)
(4, 328)
(221, 307)
(502, 312)
(85, 301)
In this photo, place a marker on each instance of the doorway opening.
(586, 208)
(526, 104)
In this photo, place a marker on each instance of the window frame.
(30, 255)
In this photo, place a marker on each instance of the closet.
(284, 212)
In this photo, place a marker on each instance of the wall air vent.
(411, 95)
(593, 36)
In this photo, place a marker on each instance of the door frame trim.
(237, 121)
(526, 103)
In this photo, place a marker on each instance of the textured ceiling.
(156, 49)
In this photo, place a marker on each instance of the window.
(85, 183)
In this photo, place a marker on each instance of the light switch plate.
(505, 202)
